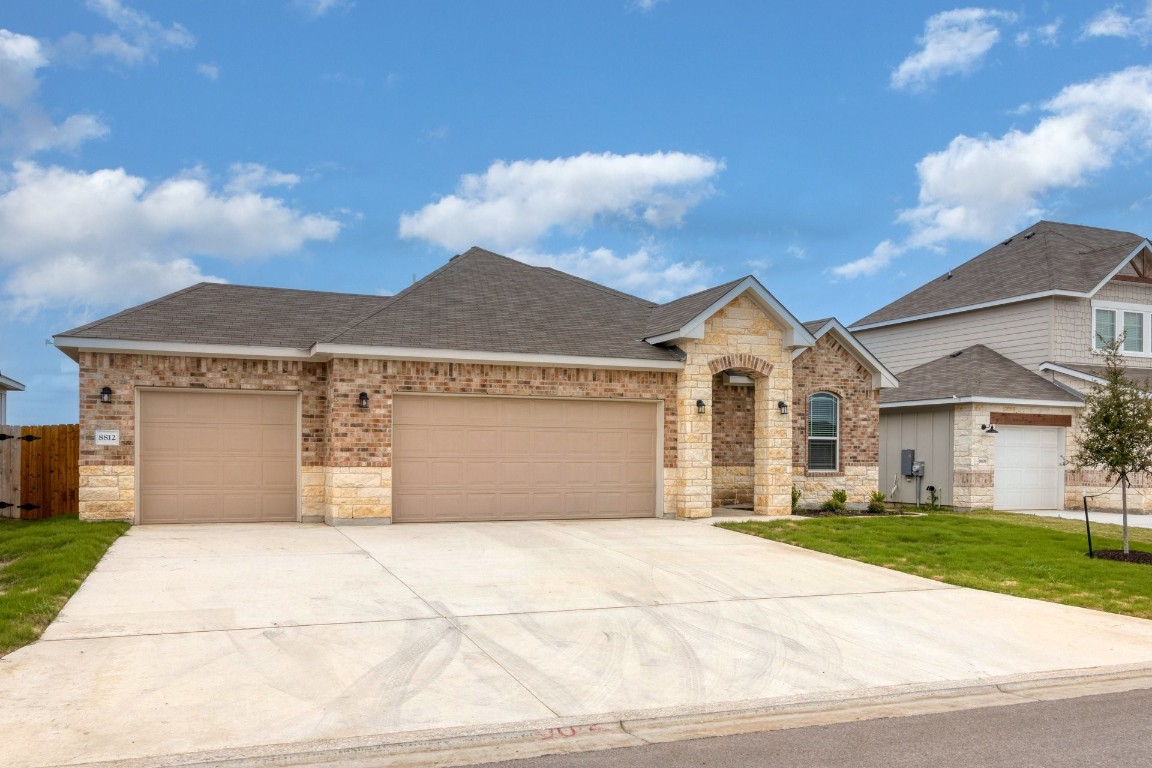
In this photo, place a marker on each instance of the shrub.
(838, 502)
(795, 498)
(876, 503)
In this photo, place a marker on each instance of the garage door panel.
(477, 458)
(200, 440)
(217, 457)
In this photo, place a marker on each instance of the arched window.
(823, 432)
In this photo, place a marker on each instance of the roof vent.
(1029, 236)
(1006, 241)
(948, 276)
(956, 354)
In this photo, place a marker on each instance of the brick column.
(773, 449)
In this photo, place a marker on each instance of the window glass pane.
(822, 416)
(822, 454)
(1133, 332)
(1105, 327)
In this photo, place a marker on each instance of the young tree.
(1116, 430)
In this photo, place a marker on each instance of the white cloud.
(880, 257)
(981, 188)
(70, 234)
(314, 9)
(954, 42)
(798, 251)
(1111, 22)
(137, 37)
(1047, 34)
(210, 71)
(512, 205)
(644, 5)
(252, 177)
(25, 128)
(642, 273)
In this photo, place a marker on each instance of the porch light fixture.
(699, 406)
(783, 406)
(989, 429)
(106, 395)
(363, 400)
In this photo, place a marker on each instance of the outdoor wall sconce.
(699, 406)
(363, 399)
(989, 429)
(783, 406)
(106, 395)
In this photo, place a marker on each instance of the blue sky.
(842, 152)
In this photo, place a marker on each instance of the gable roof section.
(8, 384)
(1046, 259)
(483, 302)
(684, 318)
(974, 374)
(882, 378)
(229, 315)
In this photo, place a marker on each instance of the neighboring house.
(7, 385)
(490, 389)
(1010, 339)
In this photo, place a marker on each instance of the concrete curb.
(510, 741)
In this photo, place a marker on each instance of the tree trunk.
(1124, 507)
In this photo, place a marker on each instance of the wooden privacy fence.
(39, 471)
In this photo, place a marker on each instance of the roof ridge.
(706, 290)
(586, 282)
(137, 308)
(395, 298)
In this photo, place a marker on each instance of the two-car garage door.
(503, 458)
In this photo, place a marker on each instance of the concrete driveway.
(189, 639)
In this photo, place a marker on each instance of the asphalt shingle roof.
(674, 315)
(976, 371)
(1047, 256)
(1141, 375)
(218, 313)
(479, 301)
(486, 302)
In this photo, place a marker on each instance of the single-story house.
(7, 385)
(490, 389)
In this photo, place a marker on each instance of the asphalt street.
(1113, 730)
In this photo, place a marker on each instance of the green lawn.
(1037, 557)
(42, 562)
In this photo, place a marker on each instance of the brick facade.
(829, 367)
(346, 451)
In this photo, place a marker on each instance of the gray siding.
(1073, 323)
(929, 433)
(1021, 332)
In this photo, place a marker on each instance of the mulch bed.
(1144, 558)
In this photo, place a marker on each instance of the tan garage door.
(217, 457)
(490, 458)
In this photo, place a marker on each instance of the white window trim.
(1119, 308)
(836, 451)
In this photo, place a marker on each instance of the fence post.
(10, 473)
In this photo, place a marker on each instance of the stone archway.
(741, 442)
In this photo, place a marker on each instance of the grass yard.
(1037, 557)
(42, 562)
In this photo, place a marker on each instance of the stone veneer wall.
(360, 442)
(733, 443)
(123, 373)
(738, 332)
(828, 367)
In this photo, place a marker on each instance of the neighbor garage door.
(489, 458)
(217, 457)
(1028, 470)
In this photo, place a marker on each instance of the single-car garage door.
(497, 458)
(215, 457)
(1029, 474)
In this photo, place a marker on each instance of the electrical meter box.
(907, 456)
(917, 469)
